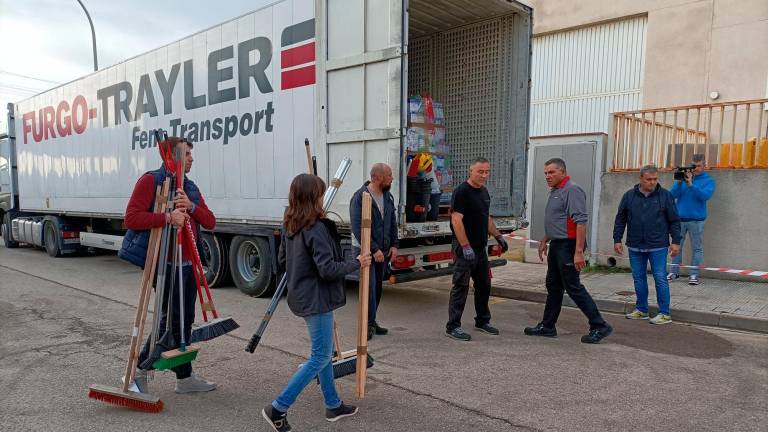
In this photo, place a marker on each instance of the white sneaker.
(693, 280)
(661, 319)
(194, 384)
(672, 276)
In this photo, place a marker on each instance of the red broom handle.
(199, 267)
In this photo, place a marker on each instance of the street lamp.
(93, 36)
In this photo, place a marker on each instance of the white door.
(359, 90)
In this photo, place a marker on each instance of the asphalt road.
(65, 323)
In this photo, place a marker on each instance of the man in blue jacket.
(692, 195)
(649, 215)
(383, 235)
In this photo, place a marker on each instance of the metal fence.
(729, 134)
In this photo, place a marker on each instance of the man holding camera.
(692, 193)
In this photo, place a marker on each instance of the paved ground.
(726, 303)
(64, 324)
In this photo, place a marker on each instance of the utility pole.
(93, 36)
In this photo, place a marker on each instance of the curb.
(714, 319)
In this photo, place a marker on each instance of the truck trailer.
(353, 78)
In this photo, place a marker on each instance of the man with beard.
(383, 235)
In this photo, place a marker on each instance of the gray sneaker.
(194, 384)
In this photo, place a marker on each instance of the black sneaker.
(339, 413)
(598, 334)
(379, 330)
(487, 328)
(540, 330)
(458, 333)
(278, 420)
(371, 331)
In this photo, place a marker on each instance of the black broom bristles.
(348, 366)
(213, 329)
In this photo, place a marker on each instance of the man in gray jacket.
(383, 235)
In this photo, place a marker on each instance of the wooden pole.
(362, 312)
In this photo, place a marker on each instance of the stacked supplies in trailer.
(467, 86)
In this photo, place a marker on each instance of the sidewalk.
(716, 302)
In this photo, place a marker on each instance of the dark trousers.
(172, 292)
(480, 272)
(377, 274)
(563, 277)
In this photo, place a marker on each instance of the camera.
(682, 170)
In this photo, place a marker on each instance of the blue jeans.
(320, 328)
(696, 230)
(639, 263)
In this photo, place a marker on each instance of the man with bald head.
(383, 234)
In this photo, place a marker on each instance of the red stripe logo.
(297, 55)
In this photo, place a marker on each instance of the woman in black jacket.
(312, 258)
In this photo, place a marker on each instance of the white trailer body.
(249, 91)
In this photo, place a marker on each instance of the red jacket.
(139, 215)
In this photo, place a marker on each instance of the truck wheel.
(51, 239)
(7, 233)
(216, 251)
(250, 264)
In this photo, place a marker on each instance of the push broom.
(217, 326)
(330, 194)
(123, 396)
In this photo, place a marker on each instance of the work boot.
(342, 411)
(540, 330)
(598, 334)
(379, 330)
(194, 384)
(277, 419)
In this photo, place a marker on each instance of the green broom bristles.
(213, 329)
(172, 362)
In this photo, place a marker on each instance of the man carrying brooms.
(189, 205)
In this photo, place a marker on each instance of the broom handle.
(309, 157)
(197, 262)
(161, 273)
(138, 320)
(362, 313)
(336, 342)
(154, 250)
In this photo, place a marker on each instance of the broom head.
(115, 396)
(213, 329)
(173, 358)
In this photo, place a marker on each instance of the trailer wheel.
(250, 264)
(10, 244)
(51, 239)
(216, 251)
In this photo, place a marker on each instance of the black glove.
(503, 243)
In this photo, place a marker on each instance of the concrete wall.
(736, 233)
(692, 47)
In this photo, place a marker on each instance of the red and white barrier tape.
(748, 272)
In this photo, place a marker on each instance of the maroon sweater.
(139, 215)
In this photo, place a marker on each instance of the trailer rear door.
(359, 90)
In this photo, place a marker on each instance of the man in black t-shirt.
(470, 224)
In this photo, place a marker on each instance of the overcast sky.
(48, 42)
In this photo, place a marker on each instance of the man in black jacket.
(383, 235)
(649, 213)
